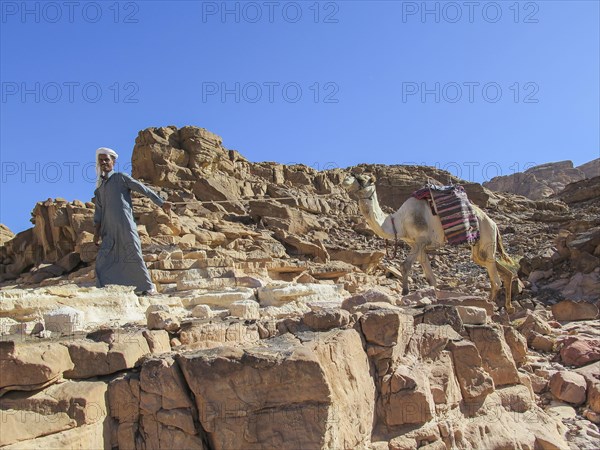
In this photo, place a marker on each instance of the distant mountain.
(544, 180)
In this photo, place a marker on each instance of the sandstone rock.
(162, 320)
(202, 312)
(84, 437)
(369, 296)
(99, 358)
(31, 366)
(540, 342)
(451, 298)
(442, 315)
(444, 385)
(578, 351)
(568, 386)
(222, 298)
(203, 334)
(475, 383)
(245, 309)
(366, 260)
(298, 247)
(288, 415)
(428, 341)
(326, 319)
(153, 409)
(387, 328)
(278, 295)
(517, 344)
(568, 310)
(472, 315)
(405, 397)
(124, 399)
(517, 398)
(495, 353)
(64, 320)
(591, 373)
(158, 341)
(534, 323)
(57, 408)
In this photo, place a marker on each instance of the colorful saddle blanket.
(456, 213)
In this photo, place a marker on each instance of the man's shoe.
(150, 293)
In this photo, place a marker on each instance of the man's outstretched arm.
(136, 186)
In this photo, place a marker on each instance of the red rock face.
(578, 351)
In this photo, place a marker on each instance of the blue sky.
(482, 89)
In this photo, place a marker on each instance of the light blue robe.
(119, 259)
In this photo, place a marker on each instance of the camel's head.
(354, 183)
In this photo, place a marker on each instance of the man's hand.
(166, 206)
(97, 234)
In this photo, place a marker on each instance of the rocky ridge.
(280, 321)
(544, 180)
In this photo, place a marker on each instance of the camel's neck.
(379, 222)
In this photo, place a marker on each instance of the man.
(119, 259)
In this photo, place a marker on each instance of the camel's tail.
(502, 258)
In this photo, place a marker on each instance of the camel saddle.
(456, 213)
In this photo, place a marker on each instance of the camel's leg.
(481, 258)
(424, 260)
(407, 267)
(507, 279)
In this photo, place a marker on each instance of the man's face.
(106, 163)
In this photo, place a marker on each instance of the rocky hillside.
(280, 321)
(544, 180)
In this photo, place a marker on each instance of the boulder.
(443, 315)
(444, 385)
(284, 393)
(472, 315)
(387, 328)
(591, 373)
(31, 366)
(370, 296)
(540, 342)
(326, 319)
(495, 353)
(428, 341)
(568, 310)
(517, 344)
(59, 407)
(366, 260)
(162, 320)
(475, 383)
(535, 323)
(202, 312)
(158, 341)
(405, 397)
(64, 320)
(579, 351)
(245, 309)
(92, 358)
(568, 386)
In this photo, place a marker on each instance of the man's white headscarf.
(103, 151)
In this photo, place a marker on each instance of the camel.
(415, 224)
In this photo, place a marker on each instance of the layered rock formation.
(281, 323)
(544, 180)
